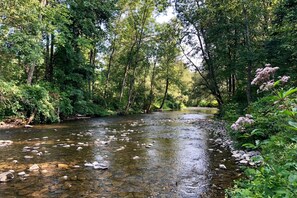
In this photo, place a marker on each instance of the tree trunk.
(49, 58)
(165, 94)
(249, 65)
(233, 84)
(30, 73)
(108, 71)
(131, 90)
(151, 96)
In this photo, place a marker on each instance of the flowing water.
(163, 154)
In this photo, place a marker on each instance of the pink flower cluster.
(263, 74)
(284, 79)
(241, 122)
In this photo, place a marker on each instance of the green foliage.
(231, 111)
(274, 133)
(22, 101)
(208, 103)
(277, 177)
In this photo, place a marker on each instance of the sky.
(164, 18)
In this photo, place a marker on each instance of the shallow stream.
(163, 154)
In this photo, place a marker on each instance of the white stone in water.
(136, 157)
(28, 157)
(237, 155)
(21, 173)
(34, 167)
(65, 177)
(39, 154)
(28, 126)
(15, 161)
(66, 146)
(121, 148)
(45, 137)
(5, 143)
(6, 176)
(222, 166)
(34, 151)
(79, 148)
(44, 171)
(76, 166)
(89, 165)
(243, 162)
(101, 166)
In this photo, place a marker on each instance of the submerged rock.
(5, 143)
(101, 166)
(34, 167)
(63, 166)
(21, 173)
(136, 157)
(6, 176)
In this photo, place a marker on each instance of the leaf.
(294, 139)
(293, 124)
(289, 92)
(292, 178)
(257, 132)
(249, 145)
(276, 83)
(246, 135)
(288, 113)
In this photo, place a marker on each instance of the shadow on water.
(162, 154)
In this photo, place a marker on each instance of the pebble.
(34, 167)
(136, 157)
(88, 165)
(44, 171)
(5, 143)
(63, 166)
(222, 166)
(28, 157)
(79, 148)
(244, 162)
(21, 173)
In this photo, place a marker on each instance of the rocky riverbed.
(165, 154)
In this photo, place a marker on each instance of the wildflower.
(241, 122)
(263, 74)
(284, 79)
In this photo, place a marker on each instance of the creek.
(163, 154)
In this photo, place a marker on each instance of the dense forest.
(60, 58)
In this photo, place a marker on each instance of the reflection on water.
(156, 155)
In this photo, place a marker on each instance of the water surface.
(163, 154)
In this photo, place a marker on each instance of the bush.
(273, 131)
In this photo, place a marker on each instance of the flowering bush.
(263, 78)
(242, 122)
